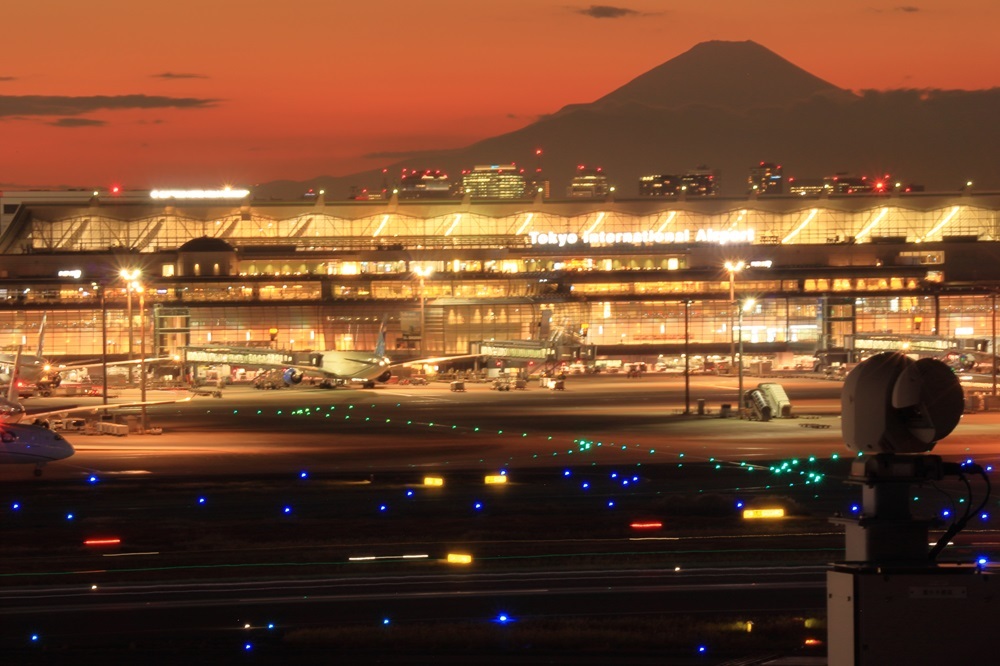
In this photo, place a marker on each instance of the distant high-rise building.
(494, 181)
(766, 178)
(845, 184)
(538, 184)
(659, 185)
(364, 194)
(807, 186)
(588, 183)
(700, 182)
(426, 184)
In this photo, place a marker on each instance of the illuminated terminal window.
(925, 258)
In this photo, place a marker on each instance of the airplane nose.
(62, 449)
(68, 450)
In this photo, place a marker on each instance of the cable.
(960, 523)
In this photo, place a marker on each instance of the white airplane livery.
(339, 368)
(333, 367)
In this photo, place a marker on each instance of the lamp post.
(733, 267)
(747, 304)
(129, 275)
(993, 347)
(687, 359)
(423, 272)
(104, 343)
(142, 356)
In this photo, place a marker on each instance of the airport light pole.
(747, 304)
(687, 358)
(423, 272)
(104, 342)
(993, 347)
(142, 355)
(129, 275)
(733, 267)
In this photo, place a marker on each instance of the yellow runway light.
(752, 514)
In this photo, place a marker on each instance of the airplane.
(975, 369)
(46, 376)
(12, 411)
(32, 368)
(29, 444)
(340, 368)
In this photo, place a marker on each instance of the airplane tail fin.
(12, 392)
(40, 352)
(380, 345)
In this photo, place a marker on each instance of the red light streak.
(102, 542)
(653, 525)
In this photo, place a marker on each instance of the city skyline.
(201, 96)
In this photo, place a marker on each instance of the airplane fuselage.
(354, 366)
(26, 444)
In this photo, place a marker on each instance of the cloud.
(606, 12)
(8, 78)
(907, 9)
(77, 122)
(59, 105)
(177, 75)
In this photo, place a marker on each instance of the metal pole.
(128, 313)
(732, 331)
(687, 360)
(104, 343)
(142, 359)
(993, 349)
(739, 399)
(423, 322)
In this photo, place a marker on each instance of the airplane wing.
(436, 359)
(34, 416)
(94, 364)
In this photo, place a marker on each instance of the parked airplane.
(975, 369)
(338, 368)
(12, 410)
(43, 373)
(26, 444)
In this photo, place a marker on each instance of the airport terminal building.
(635, 278)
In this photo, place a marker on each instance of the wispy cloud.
(8, 78)
(606, 12)
(907, 9)
(77, 122)
(177, 75)
(59, 105)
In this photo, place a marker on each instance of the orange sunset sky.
(182, 93)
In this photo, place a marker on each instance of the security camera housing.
(893, 404)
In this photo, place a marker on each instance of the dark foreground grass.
(614, 638)
(647, 639)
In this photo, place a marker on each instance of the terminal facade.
(634, 278)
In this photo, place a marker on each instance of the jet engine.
(291, 376)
